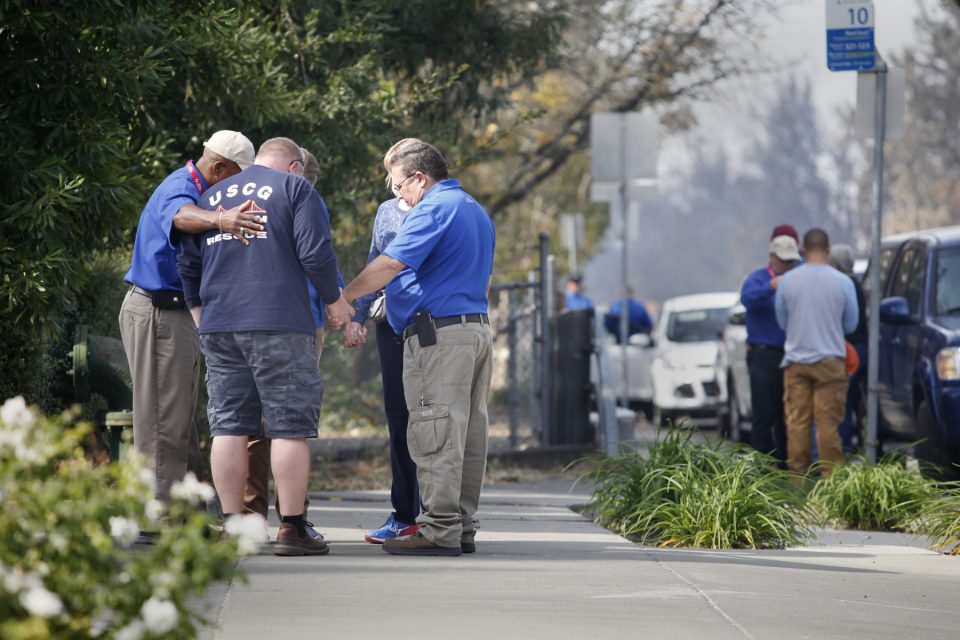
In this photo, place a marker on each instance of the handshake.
(339, 315)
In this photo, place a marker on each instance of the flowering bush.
(68, 565)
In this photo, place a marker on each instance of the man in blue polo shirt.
(765, 341)
(158, 334)
(437, 271)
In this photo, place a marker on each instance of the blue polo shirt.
(757, 297)
(446, 243)
(576, 301)
(154, 263)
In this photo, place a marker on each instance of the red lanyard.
(195, 176)
(769, 268)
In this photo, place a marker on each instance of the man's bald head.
(282, 154)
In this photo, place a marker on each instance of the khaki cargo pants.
(446, 388)
(163, 351)
(814, 393)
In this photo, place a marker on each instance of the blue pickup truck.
(919, 365)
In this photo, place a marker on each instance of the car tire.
(934, 448)
(735, 432)
(661, 417)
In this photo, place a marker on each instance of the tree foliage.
(921, 177)
(104, 98)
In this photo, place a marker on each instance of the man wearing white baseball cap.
(158, 333)
(765, 341)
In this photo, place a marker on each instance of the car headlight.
(948, 363)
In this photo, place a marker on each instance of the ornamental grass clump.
(699, 495)
(68, 567)
(887, 496)
(941, 520)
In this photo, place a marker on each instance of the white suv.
(684, 369)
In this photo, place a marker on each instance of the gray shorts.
(258, 374)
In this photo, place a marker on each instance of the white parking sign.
(850, 41)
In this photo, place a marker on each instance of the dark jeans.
(769, 433)
(404, 492)
(847, 431)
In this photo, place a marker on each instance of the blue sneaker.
(312, 532)
(389, 530)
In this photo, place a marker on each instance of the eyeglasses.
(396, 188)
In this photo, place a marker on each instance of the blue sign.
(850, 49)
(850, 45)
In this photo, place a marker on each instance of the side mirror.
(895, 310)
(737, 315)
(641, 340)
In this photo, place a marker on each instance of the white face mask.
(403, 204)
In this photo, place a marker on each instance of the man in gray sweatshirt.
(816, 305)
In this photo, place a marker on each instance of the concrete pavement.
(543, 571)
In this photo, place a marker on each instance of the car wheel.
(724, 415)
(661, 417)
(934, 448)
(736, 433)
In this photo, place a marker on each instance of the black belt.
(765, 347)
(163, 299)
(449, 321)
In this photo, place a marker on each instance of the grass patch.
(699, 495)
(941, 520)
(881, 497)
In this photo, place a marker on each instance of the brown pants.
(814, 393)
(256, 495)
(164, 356)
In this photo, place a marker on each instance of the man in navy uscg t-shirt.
(437, 271)
(257, 331)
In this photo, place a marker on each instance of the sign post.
(850, 47)
(623, 158)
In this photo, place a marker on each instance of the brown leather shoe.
(417, 545)
(291, 543)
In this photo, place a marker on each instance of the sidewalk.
(543, 571)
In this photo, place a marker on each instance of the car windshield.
(948, 283)
(696, 325)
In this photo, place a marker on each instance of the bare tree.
(624, 55)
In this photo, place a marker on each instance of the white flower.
(41, 603)
(123, 530)
(16, 581)
(162, 583)
(133, 631)
(154, 509)
(159, 616)
(191, 490)
(149, 478)
(250, 530)
(59, 541)
(15, 413)
(102, 621)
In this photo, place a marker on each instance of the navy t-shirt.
(261, 287)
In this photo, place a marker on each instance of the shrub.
(884, 496)
(941, 520)
(67, 565)
(700, 495)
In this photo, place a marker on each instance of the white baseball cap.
(785, 248)
(232, 145)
